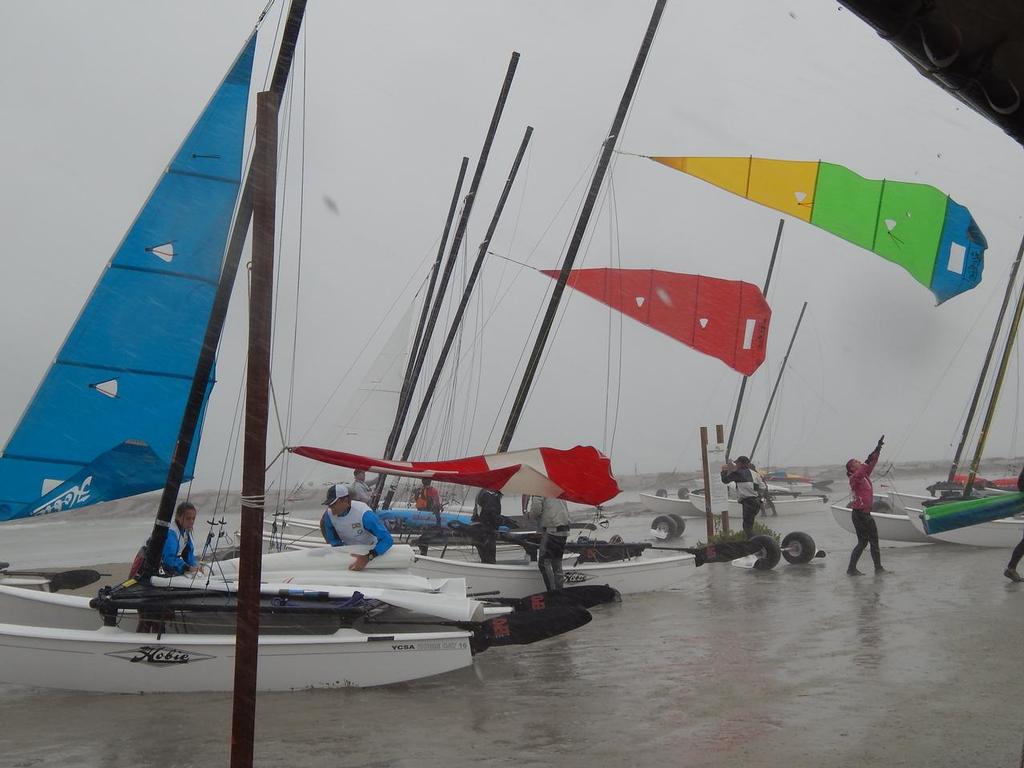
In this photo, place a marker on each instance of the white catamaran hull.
(784, 505)
(110, 660)
(894, 526)
(996, 533)
(44, 609)
(664, 505)
(627, 576)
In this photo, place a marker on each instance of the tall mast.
(208, 353)
(254, 452)
(457, 320)
(412, 376)
(581, 226)
(1004, 363)
(408, 381)
(984, 368)
(778, 380)
(743, 384)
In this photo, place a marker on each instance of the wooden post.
(708, 516)
(257, 410)
(720, 437)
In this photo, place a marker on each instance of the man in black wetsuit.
(487, 512)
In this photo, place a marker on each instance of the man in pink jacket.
(862, 498)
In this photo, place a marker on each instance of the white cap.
(335, 492)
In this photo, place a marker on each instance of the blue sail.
(104, 421)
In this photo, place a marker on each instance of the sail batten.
(916, 226)
(97, 436)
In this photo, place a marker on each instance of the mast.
(254, 452)
(1004, 363)
(581, 226)
(408, 380)
(743, 384)
(457, 320)
(453, 253)
(778, 380)
(984, 368)
(208, 353)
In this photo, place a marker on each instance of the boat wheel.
(798, 548)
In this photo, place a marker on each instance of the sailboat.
(127, 365)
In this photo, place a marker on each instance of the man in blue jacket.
(352, 522)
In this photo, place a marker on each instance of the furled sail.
(914, 225)
(727, 319)
(103, 423)
(581, 474)
(941, 515)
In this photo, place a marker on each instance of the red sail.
(581, 474)
(727, 319)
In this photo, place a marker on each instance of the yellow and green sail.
(914, 225)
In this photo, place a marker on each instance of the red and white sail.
(582, 474)
(727, 319)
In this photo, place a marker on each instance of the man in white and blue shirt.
(347, 521)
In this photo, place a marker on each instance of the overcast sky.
(99, 95)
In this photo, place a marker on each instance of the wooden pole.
(709, 517)
(720, 438)
(254, 458)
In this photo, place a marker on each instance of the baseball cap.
(335, 492)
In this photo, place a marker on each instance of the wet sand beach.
(800, 666)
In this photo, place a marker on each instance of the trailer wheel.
(680, 523)
(683, 493)
(770, 554)
(616, 539)
(798, 548)
(664, 527)
(661, 493)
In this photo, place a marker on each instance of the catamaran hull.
(664, 505)
(628, 577)
(110, 660)
(44, 609)
(996, 533)
(784, 506)
(891, 526)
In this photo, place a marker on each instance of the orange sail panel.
(727, 319)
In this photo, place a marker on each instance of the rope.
(258, 500)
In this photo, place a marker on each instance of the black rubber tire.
(661, 493)
(616, 539)
(667, 524)
(883, 506)
(683, 492)
(798, 548)
(771, 556)
(680, 523)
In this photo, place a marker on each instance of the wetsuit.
(748, 486)
(488, 514)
